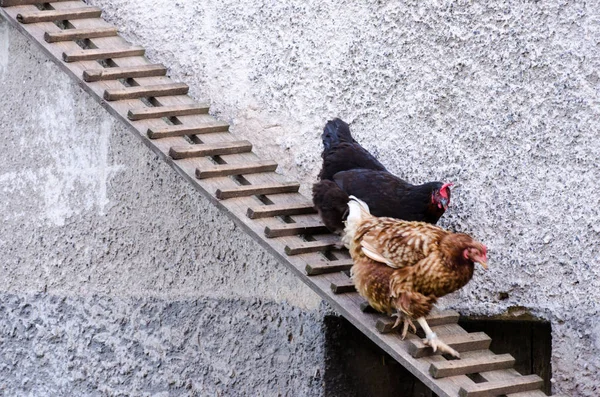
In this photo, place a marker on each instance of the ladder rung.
(181, 130)
(254, 190)
(460, 343)
(308, 247)
(343, 287)
(59, 15)
(313, 269)
(9, 3)
(146, 91)
(79, 34)
(124, 72)
(167, 111)
(236, 169)
(210, 149)
(98, 53)
(267, 211)
(500, 387)
(442, 369)
(384, 325)
(291, 229)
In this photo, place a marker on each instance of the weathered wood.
(158, 112)
(308, 247)
(146, 91)
(10, 3)
(460, 343)
(313, 269)
(435, 318)
(236, 169)
(59, 15)
(295, 228)
(210, 149)
(79, 34)
(182, 130)
(496, 388)
(96, 54)
(254, 190)
(124, 73)
(267, 211)
(343, 287)
(442, 369)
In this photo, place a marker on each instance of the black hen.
(348, 169)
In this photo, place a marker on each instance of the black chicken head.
(441, 197)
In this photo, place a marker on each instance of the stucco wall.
(117, 277)
(499, 97)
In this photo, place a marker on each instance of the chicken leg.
(432, 340)
(403, 318)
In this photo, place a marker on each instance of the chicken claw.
(402, 318)
(432, 340)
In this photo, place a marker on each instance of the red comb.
(443, 191)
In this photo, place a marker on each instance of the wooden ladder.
(264, 203)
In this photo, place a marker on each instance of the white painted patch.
(3, 48)
(77, 179)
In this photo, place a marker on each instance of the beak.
(483, 263)
(443, 203)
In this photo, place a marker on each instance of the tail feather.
(335, 131)
(358, 212)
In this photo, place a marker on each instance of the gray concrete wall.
(117, 277)
(501, 98)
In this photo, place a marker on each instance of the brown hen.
(402, 267)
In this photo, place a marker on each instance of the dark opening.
(528, 341)
(356, 366)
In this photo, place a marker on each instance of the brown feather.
(424, 262)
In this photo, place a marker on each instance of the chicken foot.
(403, 318)
(432, 340)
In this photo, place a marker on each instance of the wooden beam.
(384, 325)
(146, 91)
(236, 169)
(342, 287)
(124, 73)
(210, 149)
(267, 211)
(79, 34)
(10, 3)
(308, 247)
(459, 342)
(434, 318)
(313, 269)
(182, 129)
(158, 112)
(292, 229)
(59, 15)
(254, 190)
(442, 369)
(96, 54)
(517, 384)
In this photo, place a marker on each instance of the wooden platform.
(265, 204)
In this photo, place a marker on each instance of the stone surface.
(97, 346)
(500, 98)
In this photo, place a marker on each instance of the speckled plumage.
(422, 263)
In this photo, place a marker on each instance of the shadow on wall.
(355, 366)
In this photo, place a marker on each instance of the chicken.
(349, 169)
(401, 268)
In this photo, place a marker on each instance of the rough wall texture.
(117, 277)
(501, 98)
